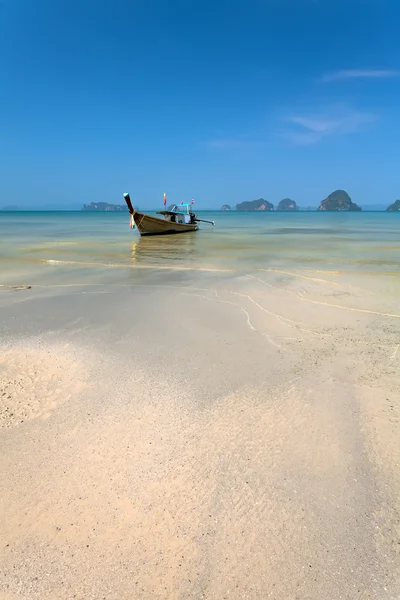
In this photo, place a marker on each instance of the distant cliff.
(259, 204)
(395, 206)
(225, 207)
(105, 206)
(287, 204)
(338, 200)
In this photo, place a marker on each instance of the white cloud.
(360, 74)
(312, 128)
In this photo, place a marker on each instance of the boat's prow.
(127, 199)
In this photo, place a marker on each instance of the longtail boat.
(180, 219)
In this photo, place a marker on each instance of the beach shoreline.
(200, 435)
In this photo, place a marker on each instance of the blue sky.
(221, 101)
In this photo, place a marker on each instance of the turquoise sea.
(90, 247)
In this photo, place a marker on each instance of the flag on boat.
(165, 199)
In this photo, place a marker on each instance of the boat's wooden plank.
(148, 225)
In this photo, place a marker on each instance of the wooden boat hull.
(154, 226)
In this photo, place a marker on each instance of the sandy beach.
(200, 435)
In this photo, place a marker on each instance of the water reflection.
(165, 248)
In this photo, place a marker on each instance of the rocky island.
(105, 206)
(225, 207)
(259, 204)
(338, 200)
(394, 207)
(287, 204)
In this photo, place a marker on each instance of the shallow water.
(83, 247)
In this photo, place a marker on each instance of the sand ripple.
(34, 381)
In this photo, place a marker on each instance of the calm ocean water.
(84, 247)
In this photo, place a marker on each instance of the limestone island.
(225, 207)
(287, 204)
(259, 204)
(394, 207)
(338, 200)
(105, 206)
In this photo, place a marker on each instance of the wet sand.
(200, 435)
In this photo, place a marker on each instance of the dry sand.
(214, 437)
